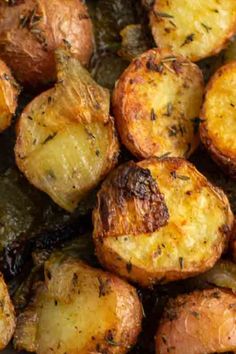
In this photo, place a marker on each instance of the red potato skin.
(28, 46)
(202, 322)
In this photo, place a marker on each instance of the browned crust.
(200, 322)
(31, 30)
(131, 196)
(223, 158)
(144, 277)
(10, 90)
(121, 92)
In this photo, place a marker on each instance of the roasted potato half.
(30, 31)
(196, 29)
(156, 103)
(202, 322)
(9, 91)
(7, 315)
(66, 141)
(160, 220)
(79, 310)
(218, 125)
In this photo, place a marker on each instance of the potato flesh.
(219, 112)
(192, 240)
(79, 311)
(66, 140)
(156, 110)
(199, 323)
(7, 315)
(196, 30)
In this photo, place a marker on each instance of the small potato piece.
(218, 126)
(31, 30)
(79, 310)
(156, 103)
(9, 91)
(202, 322)
(160, 220)
(66, 142)
(7, 315)
(196, 29)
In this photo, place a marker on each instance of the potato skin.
(217, 128)
(197, 31)
(155, 105)
(198, 323)
(7, 315)
(66, 140)
(150, 257)
(107, 312)
(30, 31)
(9, 91)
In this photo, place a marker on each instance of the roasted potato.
(66, 140)
(156, 103)
(79, 310)
(196, 29)
(30, 31)
(202, 322)
(218, 124)
(9, 91)
(160, 220)
(7, 315)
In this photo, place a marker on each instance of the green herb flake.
(188, 39)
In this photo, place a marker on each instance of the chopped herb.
(173, 131)
(183, 178)
(164, 340)
(195, 314)
(104, 286)
(207, 28)
(181, 262)
(49, 137)
(153, 115)
(232, 105)
(169, 109)
(154, 67)
(168, 59)
(30, 118)
(188, 39)
(163, 14)
(67, 43)
(162, 157)
(97, 152)
(6, 77)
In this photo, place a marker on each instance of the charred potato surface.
(218, 125)
(196, 29)
(79, 310)
(156, 103)
(30, 31)
(160, 220)
(9, 91)
(7, 315)
(202, 322)
(66, 140)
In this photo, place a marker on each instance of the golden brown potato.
(202, 322)
(30, 31)
(79, 310)
(196, 29)
(9, 91)
(218, 126)
(7, 315)
(160, 220)
(156, 102)
(66, 141)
